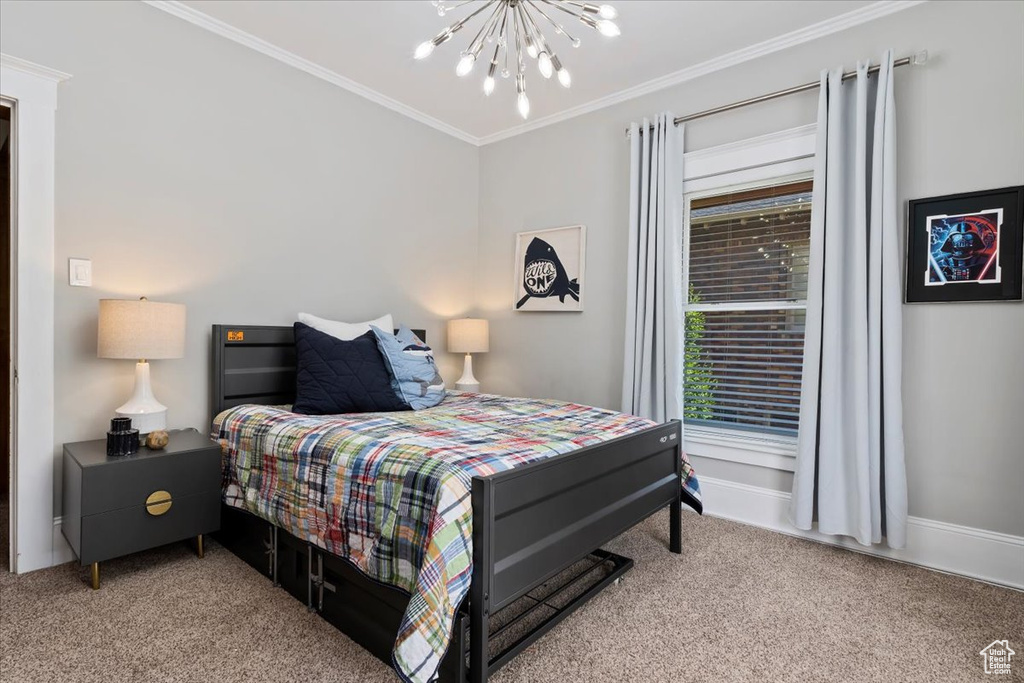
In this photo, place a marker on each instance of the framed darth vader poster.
(965, 247)
(549, 269)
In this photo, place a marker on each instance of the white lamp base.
(468, 382)
(147, 413)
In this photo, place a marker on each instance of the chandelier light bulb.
(488, 85)
(531, 48)
(608, 28)
(424, 49)
(564, 78)
(608, 12)
(544, 64)
(465, 64)
(523, 104)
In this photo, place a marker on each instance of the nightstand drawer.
(129, 530)
(130, 483)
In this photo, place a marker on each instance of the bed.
(449, 527)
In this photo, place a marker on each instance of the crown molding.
(821, 29)
(225, 30)
(25, 66)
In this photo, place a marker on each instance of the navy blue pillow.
(334, 376)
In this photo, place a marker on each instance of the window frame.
(787, 156)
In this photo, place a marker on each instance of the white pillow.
(346, 331)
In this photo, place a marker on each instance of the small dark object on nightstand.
(122, 439)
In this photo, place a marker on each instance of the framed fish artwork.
(549, 269)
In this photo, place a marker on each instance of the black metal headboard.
(255, 364)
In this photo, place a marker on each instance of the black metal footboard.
(532, 522)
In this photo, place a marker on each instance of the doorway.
(5, 331)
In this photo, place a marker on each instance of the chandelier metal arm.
(546, 59)
(532, 27)
(519, 42)
(489, 81)
(496, 18)
(604, 26)
(558, 27)
(525, 29)
(505, 43)
(477, 44)
(462, 22)
(562, 7)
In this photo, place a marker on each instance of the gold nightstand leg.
(199, 545)
(95, 576)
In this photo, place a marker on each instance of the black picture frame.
(966, 247)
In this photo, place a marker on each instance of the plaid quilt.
(390, 492)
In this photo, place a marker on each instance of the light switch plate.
(80, 272)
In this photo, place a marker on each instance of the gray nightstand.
(115, 506)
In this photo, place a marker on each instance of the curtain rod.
(917, 59)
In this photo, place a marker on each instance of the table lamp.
(468, 336)
(142, 330)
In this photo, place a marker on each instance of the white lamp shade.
(468, 335)
(141, 329)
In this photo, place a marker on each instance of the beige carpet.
(741, 604)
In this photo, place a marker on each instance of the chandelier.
(515, 26)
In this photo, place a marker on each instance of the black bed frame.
(532, 526)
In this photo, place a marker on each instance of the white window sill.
(762, 450)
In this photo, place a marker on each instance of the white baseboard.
(62, 552)
(975, 553)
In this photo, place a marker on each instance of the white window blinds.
(745, 265)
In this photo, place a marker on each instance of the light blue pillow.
(414, 375)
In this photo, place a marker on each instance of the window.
(745, 256)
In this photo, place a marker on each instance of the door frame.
(33, 89)
(9, 481)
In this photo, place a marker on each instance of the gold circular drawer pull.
(158, 503)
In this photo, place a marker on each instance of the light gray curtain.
(850, 475)
(652, 383)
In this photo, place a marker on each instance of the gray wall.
(195, 170)
(965, 457)
(305, 197)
